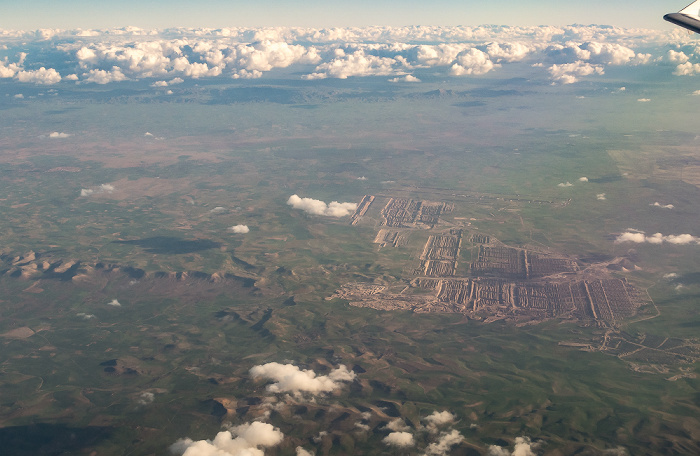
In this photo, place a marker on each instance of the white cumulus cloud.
(446, 441)
(565, 184)
(663, 206)
(399, 439)
(639, 237)
(300, 451)
(240, 229)
(245, 440)
(289, 378)
(568, 73)
(318, 207)
(60, 135)
(41, 76)
(523, 447)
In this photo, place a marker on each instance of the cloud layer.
(561, 55)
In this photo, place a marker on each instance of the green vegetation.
(199, 305)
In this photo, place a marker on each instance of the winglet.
(688, 17)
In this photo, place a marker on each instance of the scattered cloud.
(397, 425)
(86, 316)
(104, 188)
(362, 426)
(19, 96)
(523, 447)
(439, 418)
(41, 76)
(218, 210)
(640, 237)
(300, 451)
(59, 135)
(643, 100)
(240, 229)
(565, 184)
(569, 73)
(244, 440)
(103, 76)
(583, 179)
(289, 378)
(446, 441)
(114, 303)
(146, 398)
(663, 206)
(317, 207)
(601, 197)
(407, 78)
(399, 439)
(472, 62)
(670, 276)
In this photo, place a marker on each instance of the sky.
(72, 14)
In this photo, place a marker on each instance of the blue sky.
(34, 14)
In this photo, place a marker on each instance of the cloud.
(60, 135)
(240, 229)
(567, 184)
(643, 100)
(302, 452)
(317, 207)
(640, 237)
(523, 447)
(114, 303)
(439, 418)
(85, 316)
(218, 210)
(446, 441)
(104, 77)
(583, 179)
(567, 53)
(601, 197)
(663, 206)
(362, 426)
(670, 276)
(244, 440)
(104, 188)
(399, 439)
(407, 78)
(472, 62)
(41, 76)
(397, 425)
(289, 378)
(146, 398)
(568, 73)
(19, 95)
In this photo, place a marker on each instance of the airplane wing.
(688, 17)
